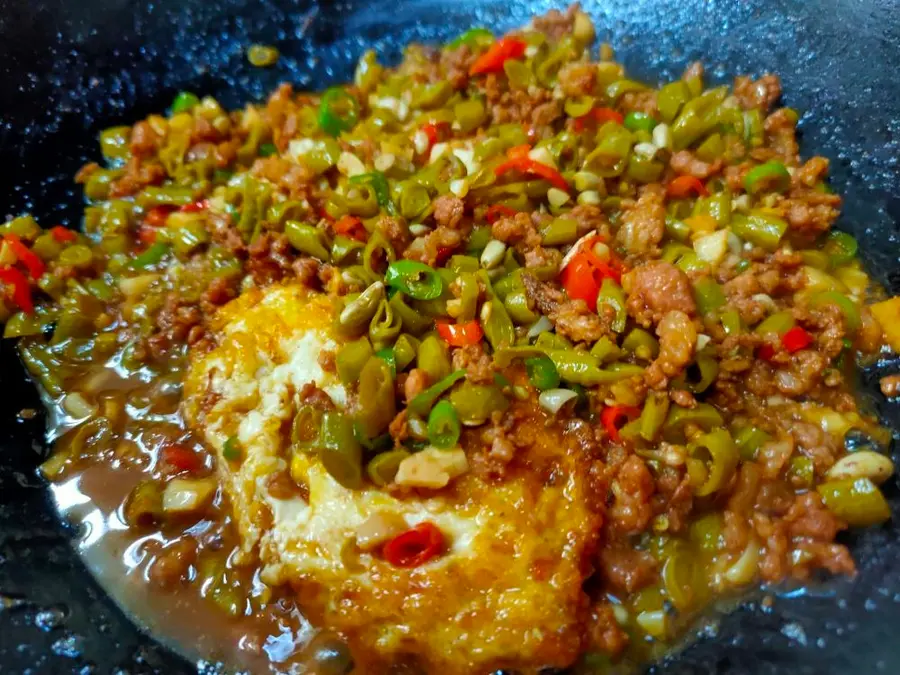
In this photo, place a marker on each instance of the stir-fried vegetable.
(529, 275)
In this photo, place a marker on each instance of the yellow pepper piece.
(887, 314)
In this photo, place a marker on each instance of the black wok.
(68, 69)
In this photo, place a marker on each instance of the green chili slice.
(702, 415)
(383, 467)
(653, 415)
(377, 405)
(231, 449)
(760, 229)
(840, 248)
(184, 101)
(387, 355)
(443, 425)
(639, 121)
(306, 428)
(858, 501)
(708, 295)
(717, 452)
(768, 177)
(417, 280)
(699, 375)
(640, 343)
(152, 256)
(405, 349)
(542, 373)
(778, 323)
(262, 56)
(339, 451)
(498, 327)
(749, 440)
(846, 305)
(473, 37)
(612, 300)
(475, 403)
(421, 405)
(307, 239)
(381, 188)
(338, 111)
(434, 358)
(670, 99)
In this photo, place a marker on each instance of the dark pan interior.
(71, 68)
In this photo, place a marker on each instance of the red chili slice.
(63, 234)
(686, 186)
(181, 458)
(497, 54)
(415, 546)
(796, 339)
(460, 334)
(21, 293)
(497, 211)
(26, 256)
(351, 226)
(613, 417)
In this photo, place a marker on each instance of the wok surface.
(72, 68)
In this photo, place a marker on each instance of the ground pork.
(555, 24)
(572, 318)
(656, 288)
(632, 489)
(477, 364)
(448, 211)
(684, 162)
(431, 247)
(677, 337)
(270, 258)
(456, 63)
(577, 79)
(644, 222)
(625, 569)
(761, 93)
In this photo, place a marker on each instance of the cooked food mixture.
(497, 359)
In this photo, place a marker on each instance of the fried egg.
(507, 590)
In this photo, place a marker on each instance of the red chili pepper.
(685, 186)
(612, 418)
(599, 115)
(201, 205)
(181, 458)
(415, 546)
(21, 293)
(156, 217)
(460, 334)
(435, 131)
(26, 256)
(585, 273)
(324, 214)
(796, 339)
(351, 226)
(765, 352)
(63, 234)
(443, 255)
(497, 211)
(146, 234)
(497, 54)
(518, 151)
(521, 162)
